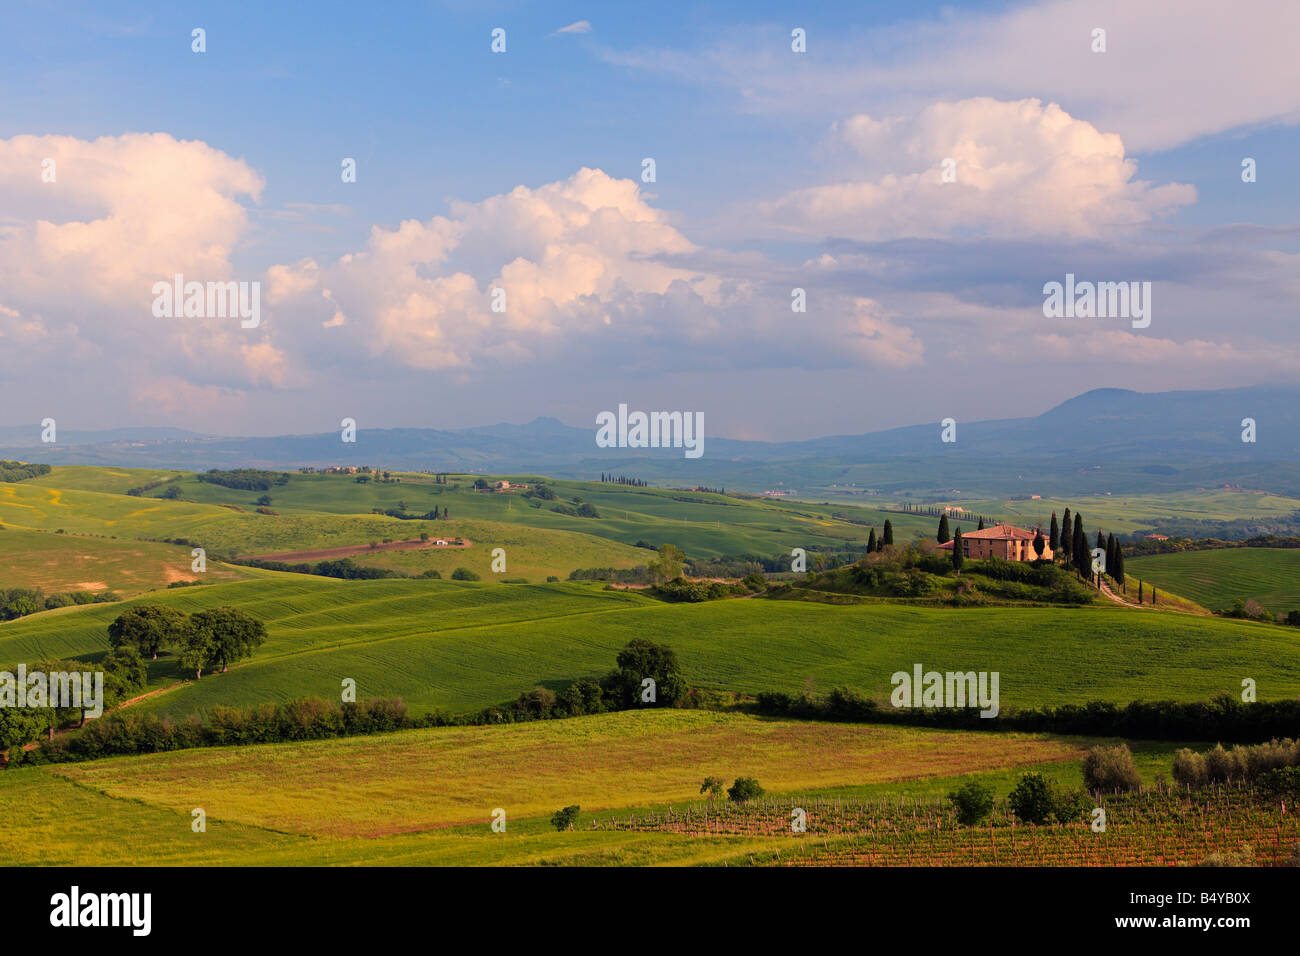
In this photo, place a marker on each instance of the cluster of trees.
(21, 471)
(19, 602)
(681, 590)
(206, 639)
(344, 568)
(245, 479)
(583, 510)
(540, 491)
(886, 538)
(623, 688)
(1035, 799)
(638, 575)
(742, 790)
(1147, 546)
(623, 480)
(916, 570)
(124, 676)
(1241, 764)
(1221, 718)
(307, 718)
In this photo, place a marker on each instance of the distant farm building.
(1157, 537)
(1003, 541)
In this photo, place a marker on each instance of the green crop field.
(1214, 579)
(426, 796)
(464, 646)
(1124, 514)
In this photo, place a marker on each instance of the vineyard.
(1158, 827)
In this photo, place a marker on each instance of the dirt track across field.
(325, 554)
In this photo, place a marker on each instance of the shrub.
(1282, 782)
(1039, 800)
(1189, 768)
(973, 802)
(744, 789)
(1110, 769)
(464, 574)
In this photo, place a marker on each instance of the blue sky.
(774, 170)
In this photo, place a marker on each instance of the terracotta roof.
(999, 532)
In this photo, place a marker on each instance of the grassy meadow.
(426, 796)
(1214, 579)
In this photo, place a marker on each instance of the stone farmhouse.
(1001, 541)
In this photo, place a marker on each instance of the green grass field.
(464, 646)
(426, 796)
(1124, 514)
(1214, 579)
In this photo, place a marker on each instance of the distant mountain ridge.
(1108, 425)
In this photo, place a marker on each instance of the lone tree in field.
(943, 537)
(887, 538)
(566, 818)
(149, 628)
(222, 636)
(957, 556)
(745, 788)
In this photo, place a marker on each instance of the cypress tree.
(1054, 536)
(943, 537)
(956, 551)
(981, 527)
(888, 536)
(1119, 565)
(1112, 561)
(1139, 590)
(871, 542)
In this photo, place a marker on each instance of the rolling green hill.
(1214, 579)
(442, 644)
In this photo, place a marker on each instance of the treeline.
(400, 512)
(1248, 764)
(623, 480)
(139, 490)
(1176, 545)
(1222, 718)
(308, 718)
(343, 568)
(21, 471)
(245, 479)
(645, 674)
(19, 602)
